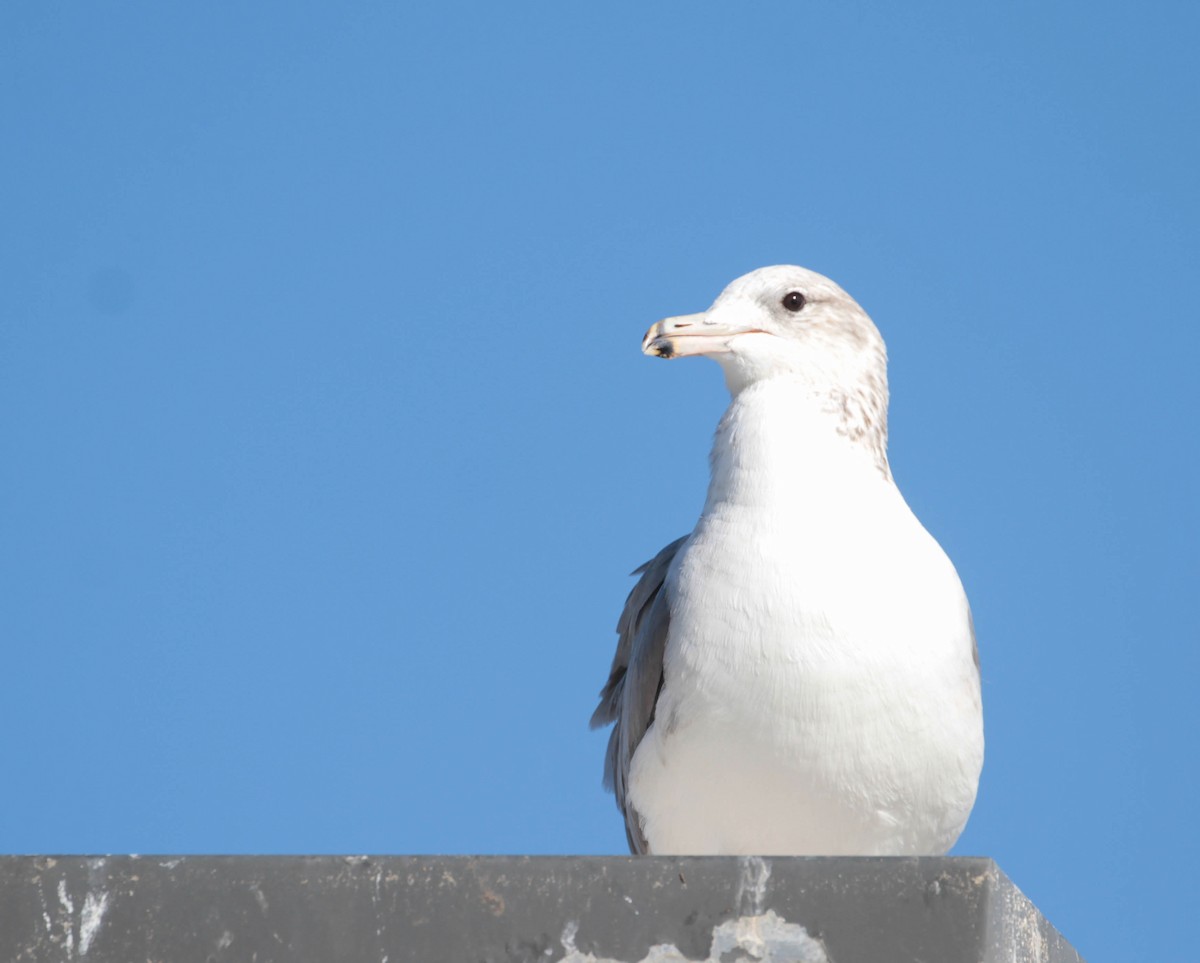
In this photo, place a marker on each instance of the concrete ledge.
(581, 909)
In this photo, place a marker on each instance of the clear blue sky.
(327, 444)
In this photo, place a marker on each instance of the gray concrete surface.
(395, 909)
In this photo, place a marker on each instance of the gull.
(799, 675)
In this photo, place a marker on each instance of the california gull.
(799, 674)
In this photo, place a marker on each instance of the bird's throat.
(780, 441)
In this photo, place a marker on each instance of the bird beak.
(691, 334)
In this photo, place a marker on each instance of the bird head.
(782, 321)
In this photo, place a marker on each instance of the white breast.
(820, 694)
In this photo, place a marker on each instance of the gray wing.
(629, 696)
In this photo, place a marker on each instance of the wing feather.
(628, 698)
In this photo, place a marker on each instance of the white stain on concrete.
(752, 885)
(768, 938)
(64, 897)
(67, 904)
(761, 938)
(90, 918)
(45, 910)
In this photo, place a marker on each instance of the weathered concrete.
(425, 909)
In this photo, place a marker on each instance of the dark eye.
(793, 301)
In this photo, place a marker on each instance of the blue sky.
(328, 444)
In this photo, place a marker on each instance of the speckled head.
(789, 322)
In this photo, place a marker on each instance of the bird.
(799, 675)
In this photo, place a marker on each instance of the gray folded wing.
(628, 698)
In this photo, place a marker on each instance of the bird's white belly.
(802, 714)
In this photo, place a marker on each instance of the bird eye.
(793, 301)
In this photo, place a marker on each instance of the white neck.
(780, 443)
